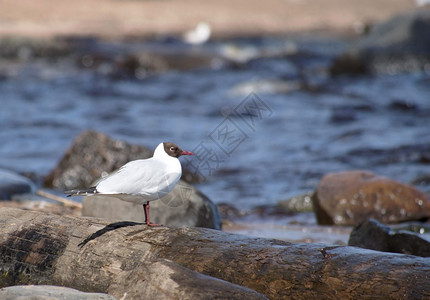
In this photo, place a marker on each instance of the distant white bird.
(141, 181)
(199, 35)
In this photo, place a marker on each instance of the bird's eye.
(172, 148)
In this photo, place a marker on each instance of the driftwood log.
(132, 261)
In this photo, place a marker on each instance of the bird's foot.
(153, 224)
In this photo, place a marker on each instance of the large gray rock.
(348, 198)
(48, 292)
(12, 184)
(184, 206)
(372, 235)
(91, 155)
(400, 44)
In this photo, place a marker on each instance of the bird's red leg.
(146, 210)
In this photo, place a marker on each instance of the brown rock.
(91, 154)
(348, 198)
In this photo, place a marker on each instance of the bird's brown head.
(173, 150)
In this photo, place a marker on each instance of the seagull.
(143, 180)
(199, 35)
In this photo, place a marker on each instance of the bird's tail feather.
(92, 190)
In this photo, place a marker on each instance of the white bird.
(143, 180)
(199, 35)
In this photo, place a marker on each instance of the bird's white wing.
(148, 178)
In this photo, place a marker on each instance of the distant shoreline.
(113, 19)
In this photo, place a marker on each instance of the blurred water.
(379, 123)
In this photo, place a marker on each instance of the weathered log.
(37, 248)
(131, 259)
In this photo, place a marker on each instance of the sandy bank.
(114, 18)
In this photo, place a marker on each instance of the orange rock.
(347, 198)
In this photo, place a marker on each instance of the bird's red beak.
(187, 153)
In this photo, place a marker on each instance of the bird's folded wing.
(144, 177)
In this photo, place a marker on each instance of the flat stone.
(12, 183)
(48, 292)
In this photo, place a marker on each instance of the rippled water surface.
(312, 125)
